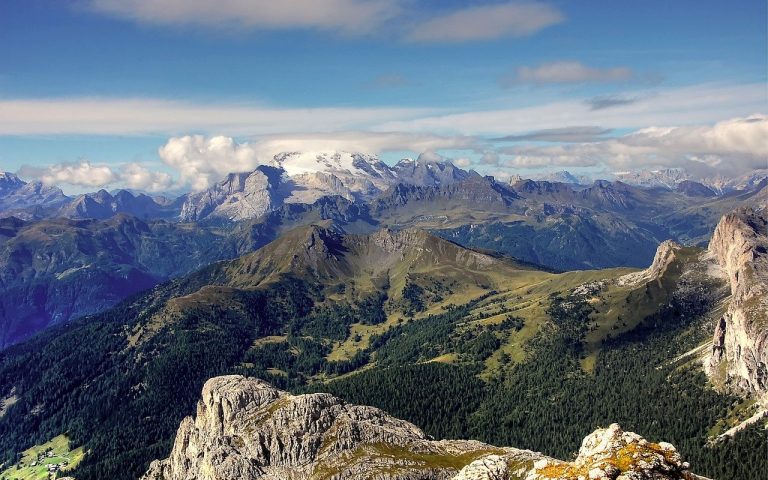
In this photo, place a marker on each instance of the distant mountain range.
(667, 178)
(304, 177)
(36, 200)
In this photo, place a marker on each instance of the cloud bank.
(733, 146)
(728, 147)
(119, 116)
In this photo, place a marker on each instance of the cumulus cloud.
(566, 72)
(81, 174)
(733, 146)
(486, 22)
(201, 161)
(87, 175)
(564, 134)
(138, 177)
(346, 16)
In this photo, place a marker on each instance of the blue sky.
(109, 82)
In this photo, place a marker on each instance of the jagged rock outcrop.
(665, 255)
(428, 173)
(244, 429)
(238, 197)
(611, 453)
(740, 344)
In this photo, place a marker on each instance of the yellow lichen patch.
(560, 471)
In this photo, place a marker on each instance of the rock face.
(665, 255)
(238, 197)
(740, 345)
(245, 429)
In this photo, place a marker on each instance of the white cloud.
(82, 174)
(430, 156)
(462, 162)
(202, 161)
(512, 19)
(733, 146)
(350, 17)
(346, 16)
(108, 116)
(86, 175)
(100, 116)
(138, 177)
(567, 72)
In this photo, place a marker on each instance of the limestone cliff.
(665, 255)
(245, 429)
(740, 346)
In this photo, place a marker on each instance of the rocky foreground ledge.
(245, 429)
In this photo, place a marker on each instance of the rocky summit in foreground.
(245, 429)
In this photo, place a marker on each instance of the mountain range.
(122, 242)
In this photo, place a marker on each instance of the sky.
(172, 94)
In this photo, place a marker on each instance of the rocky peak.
(429, 172)
(740, 344)
(616, 195)
(245, 429)
(239, 196)
(9, 182)
(666, 253)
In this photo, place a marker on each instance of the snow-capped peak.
(297, 163)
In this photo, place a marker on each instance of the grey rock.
(740, 343)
